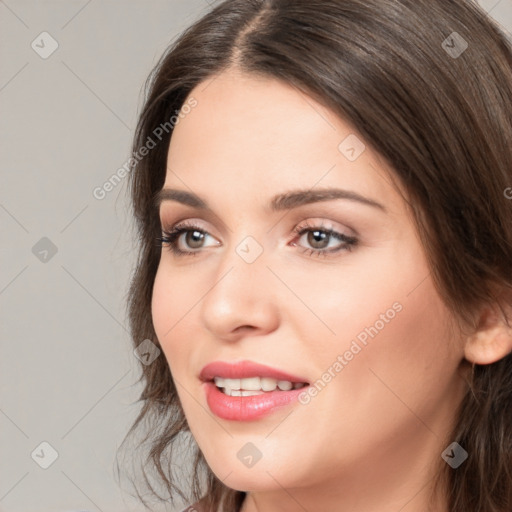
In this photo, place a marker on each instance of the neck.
(390, 488)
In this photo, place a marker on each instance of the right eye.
(193, 238)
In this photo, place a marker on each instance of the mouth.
(245, 391)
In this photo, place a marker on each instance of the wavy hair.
(428, 84)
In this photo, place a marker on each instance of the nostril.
(243, 327)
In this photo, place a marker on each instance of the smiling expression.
(295, 250)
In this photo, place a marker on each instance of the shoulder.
(196, 507)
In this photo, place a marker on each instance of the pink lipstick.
(246, 391)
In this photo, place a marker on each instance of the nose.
(240, 299)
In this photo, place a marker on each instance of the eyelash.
(171, 237)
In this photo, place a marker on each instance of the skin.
(371, 440)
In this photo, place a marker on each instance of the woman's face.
(358, 319)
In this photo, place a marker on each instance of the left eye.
(319, 238)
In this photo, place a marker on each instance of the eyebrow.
(280, 202)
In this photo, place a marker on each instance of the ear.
(492, 339)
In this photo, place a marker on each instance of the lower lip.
(247, 408)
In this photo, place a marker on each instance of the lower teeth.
(237, 392)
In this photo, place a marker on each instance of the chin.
(264, 475)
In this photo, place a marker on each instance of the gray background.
(67, 370)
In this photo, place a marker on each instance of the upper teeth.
(256, 384)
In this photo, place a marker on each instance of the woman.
(325, 258)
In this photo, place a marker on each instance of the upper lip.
(244, 369)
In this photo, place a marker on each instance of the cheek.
(418, 349)
(160, 305)
(385, 319)
(336, 305)
(399, 363)
(169, 306)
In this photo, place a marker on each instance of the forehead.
(253, 136)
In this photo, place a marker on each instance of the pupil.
(195, 237)
(315, 238)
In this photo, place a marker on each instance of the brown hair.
(438, 112)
